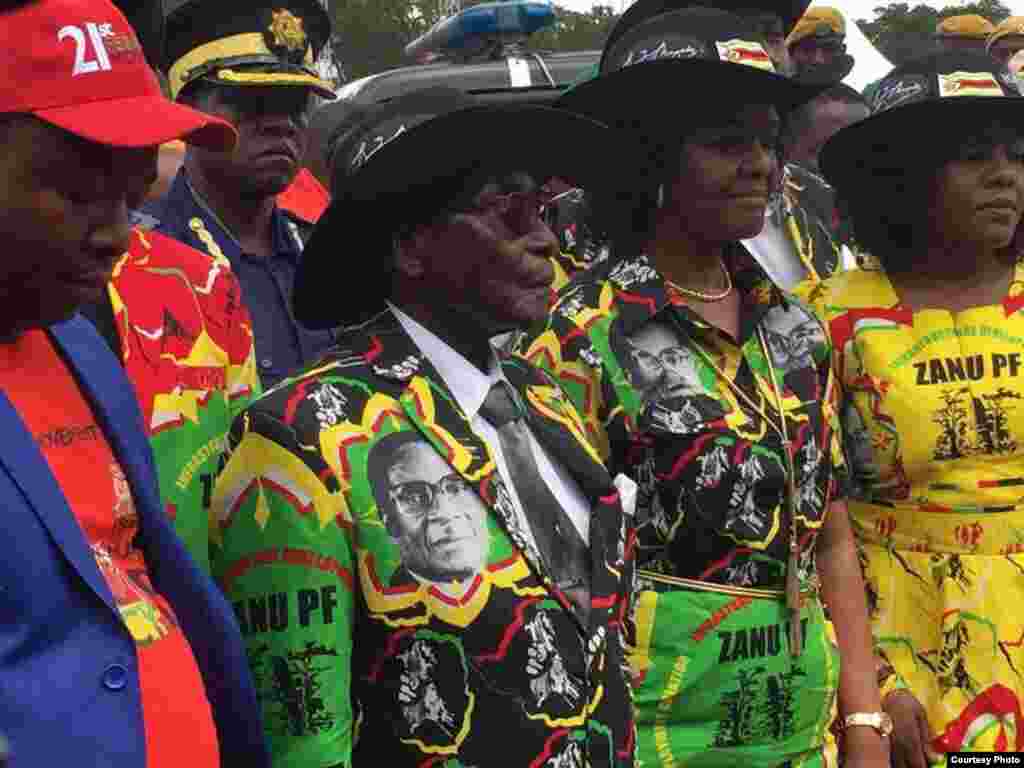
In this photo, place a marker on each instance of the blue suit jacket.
(69, 690)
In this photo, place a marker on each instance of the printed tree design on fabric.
(778, 711)
(953, 442)
(740, 705)
(991, 431)
(289, 687)
(993, 421)
(761, 707)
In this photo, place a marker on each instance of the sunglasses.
(519, 208)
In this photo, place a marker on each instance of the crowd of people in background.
(676, 421)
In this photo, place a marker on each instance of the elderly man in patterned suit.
(418, 537)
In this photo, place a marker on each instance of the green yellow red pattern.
(648, 377)
(360, 659)
(933, 412)
(186, 341)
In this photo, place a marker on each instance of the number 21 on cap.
(96, 33)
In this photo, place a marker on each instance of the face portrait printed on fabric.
(713, 675)
(393, 605)
(712, 476)
(433, 515)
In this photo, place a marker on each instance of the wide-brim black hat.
(925, 105)
(246, 43)
(677, 66)
(789, 11)
(404, 164)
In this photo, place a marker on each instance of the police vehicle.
(483, 50)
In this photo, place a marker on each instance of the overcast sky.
(858, 9)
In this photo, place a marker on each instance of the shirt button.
(266, 363)
(115, 677)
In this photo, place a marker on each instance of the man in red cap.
(114, 644)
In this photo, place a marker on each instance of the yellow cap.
(970, 26)
(818, 21)
(1014, 25)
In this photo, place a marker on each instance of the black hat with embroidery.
(921, 106)
(788, 11)
(669, 69)
(246, 43)
(403, 164)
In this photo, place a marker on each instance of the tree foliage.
(577, 31)
(901, 32)
(370, 35)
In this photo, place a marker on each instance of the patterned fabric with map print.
(646, 374)
(933, 414)
(394, 605)
(186, 342)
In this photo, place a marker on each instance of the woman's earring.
(661, 196)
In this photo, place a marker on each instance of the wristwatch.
(880, 721)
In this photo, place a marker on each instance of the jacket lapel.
(96, 371)
(558, 427)
(405, 373)
(112, 399)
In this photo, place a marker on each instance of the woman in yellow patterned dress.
(929, 350)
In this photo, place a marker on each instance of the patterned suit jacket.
(361, 661)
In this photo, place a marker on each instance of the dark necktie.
(561, 547)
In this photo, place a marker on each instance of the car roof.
(528, 77)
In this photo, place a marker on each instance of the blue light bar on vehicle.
(510, 18)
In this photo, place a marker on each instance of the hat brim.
(117, 123)
(414, 177)
(264, 79)
(644, 94)
(847, 159)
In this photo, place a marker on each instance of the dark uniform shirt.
(282, 345)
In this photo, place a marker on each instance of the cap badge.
(969, 84)
(287, 35)
(745, 52)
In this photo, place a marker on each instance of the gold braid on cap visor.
(246, 44)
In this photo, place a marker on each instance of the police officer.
(817, 45)
(1006, 39)
(966, 32)
(250, 63)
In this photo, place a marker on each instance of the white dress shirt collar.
(468, 384)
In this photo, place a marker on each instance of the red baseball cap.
(78, 65)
